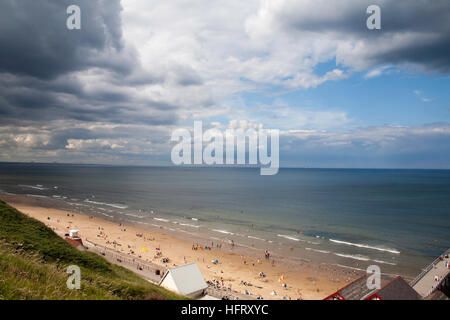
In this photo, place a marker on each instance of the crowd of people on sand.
(131, 249)
(217, 284)
(220, 285)
(196, 247)
(247, 284)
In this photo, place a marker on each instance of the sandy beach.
(289, 281)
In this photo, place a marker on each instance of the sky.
(342, 96)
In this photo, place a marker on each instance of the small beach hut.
(186, 280)
(75, 240)
(77, 243)
(73, 234)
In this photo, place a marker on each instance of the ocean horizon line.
(207, 166)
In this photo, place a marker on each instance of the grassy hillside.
(33, 263)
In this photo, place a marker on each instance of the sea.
(398, 220)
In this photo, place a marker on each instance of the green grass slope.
(34, 260)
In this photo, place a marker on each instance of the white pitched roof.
(185, 279)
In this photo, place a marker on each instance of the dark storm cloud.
(59, 138)
(426, 21)
(24, 99)
(35, 41)
(40, 59)
(23, 104)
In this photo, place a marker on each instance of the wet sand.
(306, 280)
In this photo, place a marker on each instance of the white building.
(73, 234)
(186, 280)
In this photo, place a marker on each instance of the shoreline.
(304, 279)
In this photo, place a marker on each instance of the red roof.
(74, 242)
(397, 289)
(355, 290)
